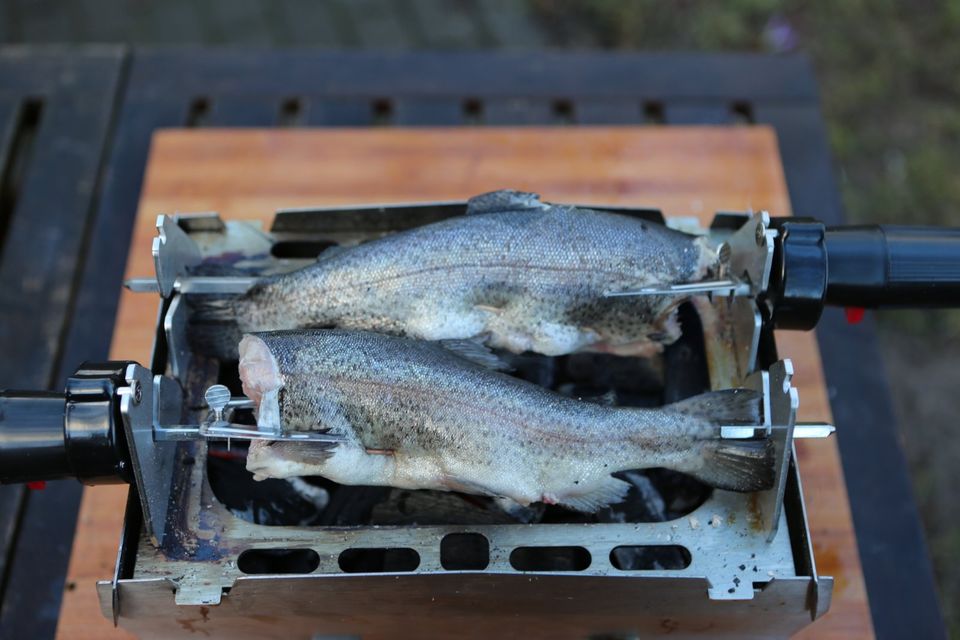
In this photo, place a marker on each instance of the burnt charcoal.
(550, 558)
(352, 505)
(406, 507)
(636, 381)
(464, 552)
(660, 557)
(270, 502)
(644, 502)
(685, 361)
(525, 515)
(571, 390)
(681, 492)
(532, 367)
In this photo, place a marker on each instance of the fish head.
(259, 372)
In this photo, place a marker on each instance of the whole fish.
(416, 415)
(516, 272)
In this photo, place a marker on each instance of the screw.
(723, 253)
(217, 397)
(137, 392)
(761, 234)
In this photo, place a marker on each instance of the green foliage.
(889, 74)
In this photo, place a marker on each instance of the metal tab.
(175, 330)
(783, 401)
(751, 252)
(144, 403)
(173, 252)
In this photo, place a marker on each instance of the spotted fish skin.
(519, 273)
(417, 416)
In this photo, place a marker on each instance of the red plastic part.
(37, 485)
(855, 314)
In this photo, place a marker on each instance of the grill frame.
(728, 584)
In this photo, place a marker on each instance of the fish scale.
(521, 274)
(416, 415)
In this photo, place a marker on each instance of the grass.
(889, 76)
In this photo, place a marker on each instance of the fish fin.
(331, 252)
(454, 483)
(744, 465)
(735, 465)
(608, 491)
(504, 200)
(608, 399)
(284, 459)
(307, 452)
(517, 511)
(212, 328)
(477, 353)
(727, 406)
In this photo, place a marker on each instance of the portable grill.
(203, 541)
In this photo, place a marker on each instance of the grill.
(203, 543)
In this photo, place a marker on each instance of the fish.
(514, 273)
(421, 415)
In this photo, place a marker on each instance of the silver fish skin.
(416, 415)
(522, 274)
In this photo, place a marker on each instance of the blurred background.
(889, 76)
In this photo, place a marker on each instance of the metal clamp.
(219, 400)
(174, 252)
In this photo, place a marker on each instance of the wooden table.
(685, 171)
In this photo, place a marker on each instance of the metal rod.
(800, 430)
(195, 284)
(226, 431)
(813, 430)
(719, 287)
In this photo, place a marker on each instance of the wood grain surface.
(685, 171)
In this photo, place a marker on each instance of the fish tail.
(734, 465)
(746, 465)
(212, 328)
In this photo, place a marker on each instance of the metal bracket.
(175, 330)
(173, 252)
(218, 428)
(751, 252)
(144, 403)
(779, 417)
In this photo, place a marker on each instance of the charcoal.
(406, 507)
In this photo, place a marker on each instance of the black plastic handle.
(32, 443)
(892, 266)
(75, 434)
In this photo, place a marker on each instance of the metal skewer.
(195, 284)
(800, 430)
(716, 287)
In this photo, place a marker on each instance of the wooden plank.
(517, 111)
(541, 74)
(11, 502)
(44, 243)
(893, 549)
(64, 104)
(9, 112)
(685, 171)
(428, 111)
(244, 111)
(96, 298)
(340, 112)
(607, 112)
(697, 113)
